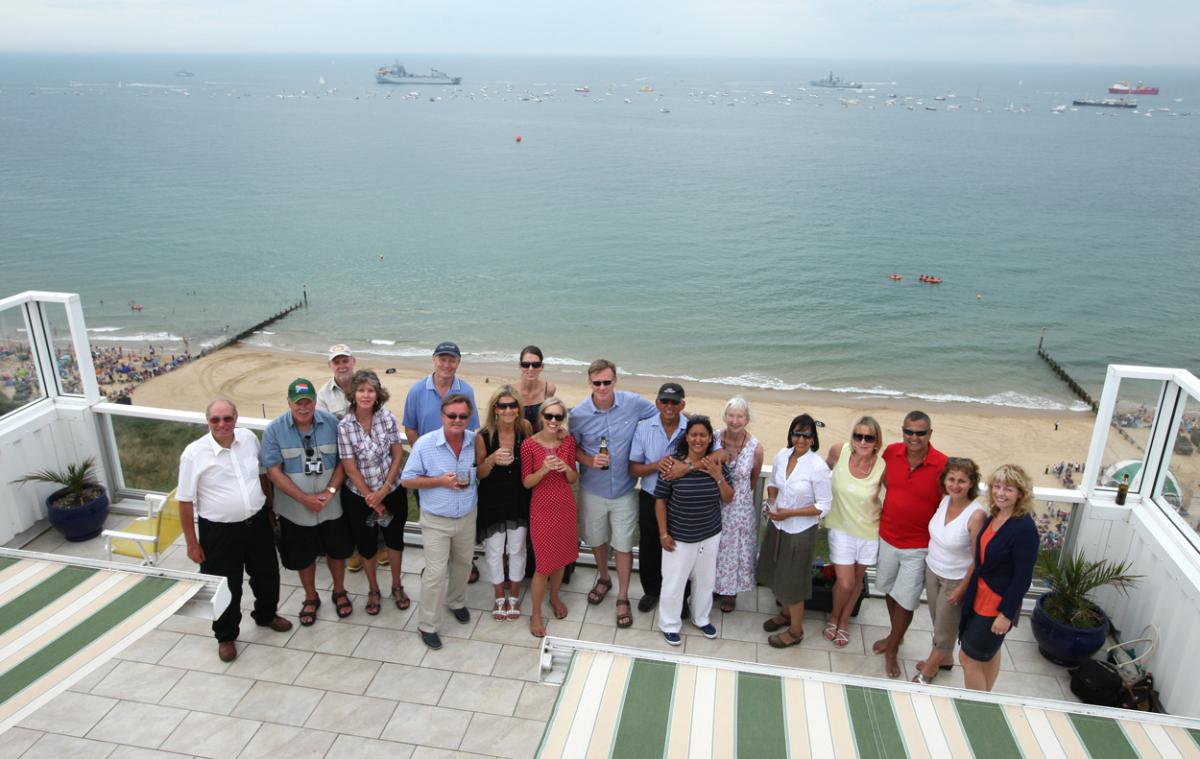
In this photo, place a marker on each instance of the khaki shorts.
(608, 521)
(900, 574)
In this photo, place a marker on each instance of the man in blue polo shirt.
(423, 406)
(442, 468)
(608, 509)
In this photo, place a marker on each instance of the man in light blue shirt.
(608, 508)
(442, 468)
(423, 406)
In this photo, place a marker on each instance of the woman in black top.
(503, 518)
(689, 528)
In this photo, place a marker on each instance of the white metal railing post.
(83, 349)
(1094, 465)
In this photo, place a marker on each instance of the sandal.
(831, 631)
(514, 608)
(624, 618)
(922, 679)
(400, 597)
(373, 607)
(474, 578)
(308, 611)
(776, 623)
(727, 604)
(777, 640)
(341, 600)
(841, 638)
(599, 590)
(945, 667)
(500, 613)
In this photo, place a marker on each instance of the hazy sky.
(1067, 31)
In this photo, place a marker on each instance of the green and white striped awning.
(59, 621)
(622, 703)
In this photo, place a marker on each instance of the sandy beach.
(257, 381)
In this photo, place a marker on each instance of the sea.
(699, 219)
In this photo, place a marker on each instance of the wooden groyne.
(231, 339)
(1076, 388)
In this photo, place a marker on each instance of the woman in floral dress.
(738, 552)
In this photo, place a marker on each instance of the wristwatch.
(332, 490)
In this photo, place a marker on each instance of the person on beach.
(220, 485)
(503, 520)
(738, 551)
(799, 494)
(532, 388)
(688, 518)
(442, 465)
(607, 420)
(912, 478)
(853, 521)
(375, 504)
(300, 454)
(952, 533)
(548, 470)
(653, 440)
(1006, 550)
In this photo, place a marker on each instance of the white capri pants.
(699, 562)
(494, 548)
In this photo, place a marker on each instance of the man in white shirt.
(331, 396)
(219, 482)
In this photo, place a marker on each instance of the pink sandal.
(841, 638)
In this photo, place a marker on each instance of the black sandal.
(400, 597)
(341, 600)
(308, 611)
(373, 599)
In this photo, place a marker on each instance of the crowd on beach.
(119, 370)
(530, 479)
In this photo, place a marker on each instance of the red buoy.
(518, 138)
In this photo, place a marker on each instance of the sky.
(1145, 32)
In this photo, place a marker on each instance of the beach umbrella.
(1112, 477)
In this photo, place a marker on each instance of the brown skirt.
(785, 563)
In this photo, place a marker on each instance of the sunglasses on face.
(531, 364)
(669, 402)
(601, 383)
(915, 433)
(457, 417)
(508, 405)
(800, 433)
(554, 417)
(219, 419)
(859, 438)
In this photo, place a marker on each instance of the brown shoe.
(227, 651)
(354, 564)
(381, 556)
(279, 625)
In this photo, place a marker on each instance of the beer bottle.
(604, 448)
(1123, 490)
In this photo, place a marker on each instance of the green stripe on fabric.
(760, 718)
(6, 562)
(1195, 737)
(873, 719)
(987, 730)
(1103, 738)
(81, 635)
(41, 595)
(646, 712)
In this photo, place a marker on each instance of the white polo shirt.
(222, 483)
(331, 398)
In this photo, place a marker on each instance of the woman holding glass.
(798, 495)
(373, 501)
(548, 469)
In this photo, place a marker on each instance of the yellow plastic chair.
(146, 538)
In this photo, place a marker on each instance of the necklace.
(734, 447)
(861, 469)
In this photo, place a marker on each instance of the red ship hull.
(1122, 88)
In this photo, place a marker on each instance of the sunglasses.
(601, 383)
(219, 419)
(858, 438)
(669, 402)
(509, 405)
(457, 417)
(531, 364)
(554, 417)
(805, 435)
(915, 433)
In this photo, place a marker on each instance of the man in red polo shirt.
(912, 477)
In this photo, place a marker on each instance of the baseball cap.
(341, 349)
(301, 388)
(670, 391)
(447, 349)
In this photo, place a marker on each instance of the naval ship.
(396, 74)
(836, 83)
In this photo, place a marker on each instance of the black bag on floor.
(1098, 683)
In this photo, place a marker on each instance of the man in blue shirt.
(442, 467)
(608, 508)
(423, 406)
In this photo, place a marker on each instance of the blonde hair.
(491, 422)
(553, 401)
(1011, 474)
(876, 430)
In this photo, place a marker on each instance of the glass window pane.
(1053, 519)
(1178, 489)
(1129, 432)
(149, 450)
(19, 380)
(65, 364)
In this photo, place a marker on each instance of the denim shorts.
(977, 639)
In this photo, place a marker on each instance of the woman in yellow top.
(853, 521)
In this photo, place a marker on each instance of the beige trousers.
(449, 545)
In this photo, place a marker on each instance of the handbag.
(1098, 683)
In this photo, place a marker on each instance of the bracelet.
(664, 535)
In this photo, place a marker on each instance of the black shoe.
(463, 615)
(686, 613)
(647, 603)
(430, 639)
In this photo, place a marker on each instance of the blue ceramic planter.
(1063, 644)
(77, 523)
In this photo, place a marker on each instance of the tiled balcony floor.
(366, 686)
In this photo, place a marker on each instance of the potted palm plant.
(80, 505)
(1067, 624)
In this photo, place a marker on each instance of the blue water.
(746, 234)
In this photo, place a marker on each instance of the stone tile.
(401, 682)
(1026, 658)
(392, 618)
(427, 725)
(735, 650)
(950, 678)
(509, 633)
(183, 623)
(55, 746)
(353, 747)
(134, 681)
(449, 626)
(252, 633)
(560, 628)
(517, 663)
(337, 673)
(205, 692)
(503, 736)
(597, 633)
(354, 715)
(151, 647)
(797, 657)
(745, 626)
(536, 701)
(428, 752)
(16, 741)
(211, 735)
(198, 653)
(94, 678)
(395, 646)
(634, 638)
(144, 725)
(459, 655)
(916, 645)
(494, 695)
(869, 665)
(339, 639)
(279, 665)
(69, 714)
(274, 702)
(1022, 684)
(133, 752)
(274, 741)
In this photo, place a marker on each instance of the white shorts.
(847, 549)
(901, 574)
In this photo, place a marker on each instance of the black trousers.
(230, 548)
